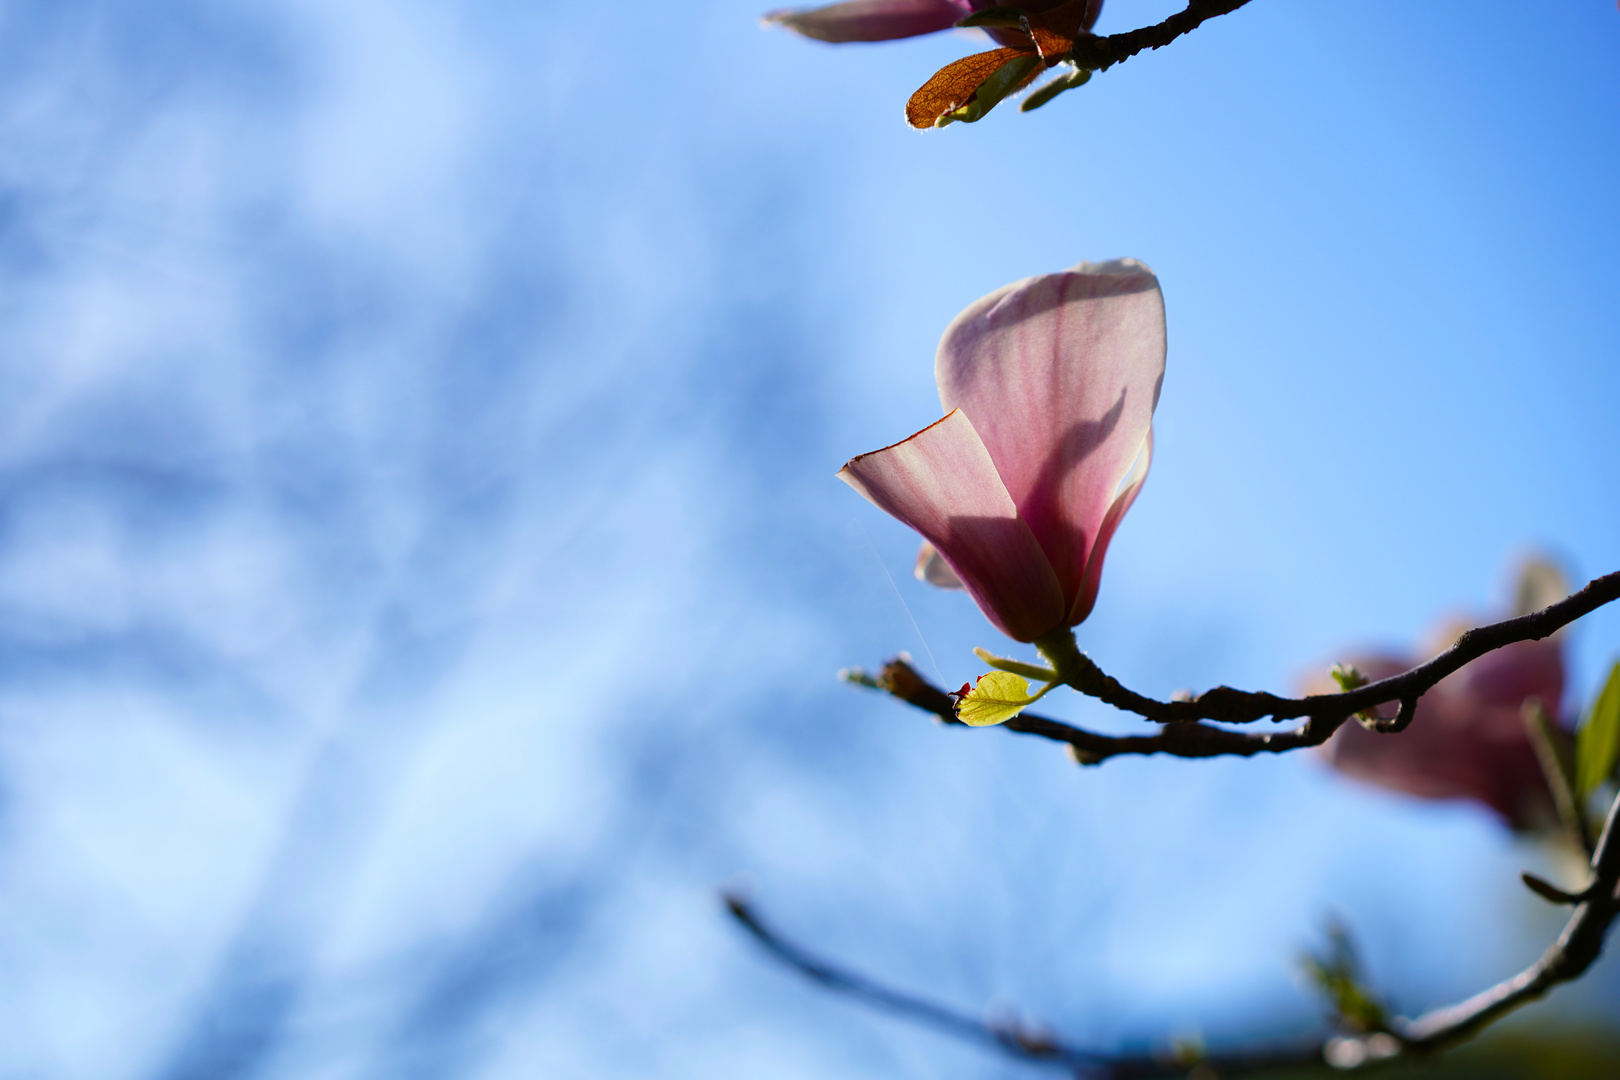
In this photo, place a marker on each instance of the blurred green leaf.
(1337, 973)
(1598, 742)
(1557, 765)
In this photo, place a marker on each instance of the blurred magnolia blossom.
(1034, 35)
(1049, 385)
(886, 20)
(1468, 738)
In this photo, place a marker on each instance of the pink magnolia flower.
(885, 20)
(1467, 738)
(1050, 385)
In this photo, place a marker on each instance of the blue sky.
(422, 575)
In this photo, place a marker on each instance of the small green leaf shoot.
(1066, 81)
(1337, 973)
(995, 698)
(1038, 672)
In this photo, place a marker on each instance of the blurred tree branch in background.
(1368, 1038)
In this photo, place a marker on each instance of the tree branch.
(1567, 959)
(1226, 705)
(1185, 735)
(1189, 740)
(1100, 53)
(1028, 1044)
(1575, 950)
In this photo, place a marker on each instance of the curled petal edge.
(1129, 488)
(942, 483)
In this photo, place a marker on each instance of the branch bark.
(1100, 53)
(1580, 944)
(1186, 734)
(1191, 740)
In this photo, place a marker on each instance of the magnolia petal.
(935, 570)
(1105, 532)
(1055, 29)
(870, 20)
(1467, 739)
(1034, 7)
(1540, 582)
(1045, 8)
(942, 483)
(1457, 748)
(1509, 675)
(1059, 375)
(1423, 760)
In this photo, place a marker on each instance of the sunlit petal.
(1129, 487)
(1059, 375)
(942, 483)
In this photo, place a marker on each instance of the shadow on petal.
(1003, 568)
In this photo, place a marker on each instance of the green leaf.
(1555, 766)
(1349, 677)
(1598, 743)
(1337, 973)
(1067, 81)
(995, 698)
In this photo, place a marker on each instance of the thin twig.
(1099, 53)
(1569, 957)
(1189, 740)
